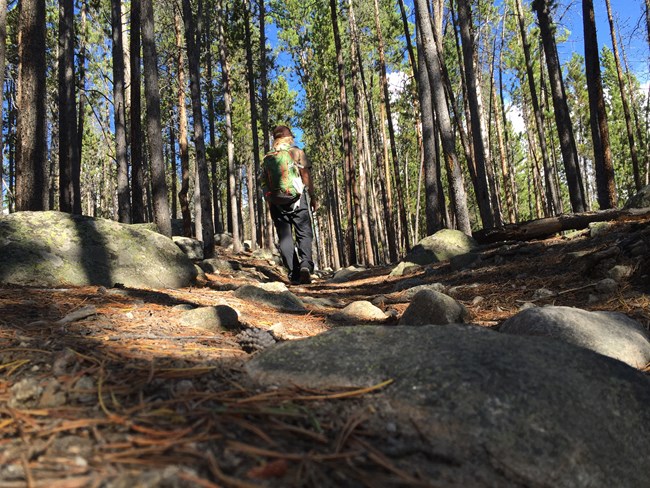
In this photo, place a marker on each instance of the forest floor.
(128, 397)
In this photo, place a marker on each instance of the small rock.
(620, 272)
(84, 390)
(221, 317)
(606, 286)
(433, 308)
(24, 391)
(543, 293)
(477, 300)
(527, 305)
(361, 311)
(53, 396)
(183, 307)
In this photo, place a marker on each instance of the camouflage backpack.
(280, 177)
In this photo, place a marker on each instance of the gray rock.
(24, 392)
(183, 307)
(609, 333)
(620, 272)
(273, 286)
(284, 301)
(323, 302)
(543, 293)
(599, 228)
(346, 274)
(431, 307)
(607, 286)
(411, 292)
(193, 248)
(503, 410)
(465, 261)
(216, 265)
(223, 240)
(266, 254)
(56, 249)
(405, 268)
(441, 246)
(640, 200)
(221, 317)
(360, 312)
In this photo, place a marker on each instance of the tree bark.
(458, 196)
(634, 155)
(391, 132)
(552, 198)
(547, 227)
(368, 255)
(123, 198)
(605, 184)
(81, 115)
(216, 200)
(227, 97)
(490, 215)
(68, 148)
(137, 170)
(204, 224)
(347, 137)
(31, 191)
(560, 106)
(256, 203)
(154, 124)
(3, 60)
(173, 168)
(182, 131)
(432, 210)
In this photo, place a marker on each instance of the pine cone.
(254, 339)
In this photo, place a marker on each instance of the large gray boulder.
(497, 409)
(58, 249)
(640, 200)
(441, 246)
(612, 334)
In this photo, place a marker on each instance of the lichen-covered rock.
(192, 247)
(282, 301)
(58, 249)
(441, 246)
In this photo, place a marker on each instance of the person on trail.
(286, 181)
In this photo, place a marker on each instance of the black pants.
(287, 221)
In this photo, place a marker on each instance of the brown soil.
(128, 397)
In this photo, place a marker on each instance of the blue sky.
(628, 13)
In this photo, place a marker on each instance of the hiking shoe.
(305, 276)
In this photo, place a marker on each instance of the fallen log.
(547, 227)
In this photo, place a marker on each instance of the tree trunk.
(458, 196)
(81, 112)
(391, 131)
(182, 134)
(203, 222)
(543, 228)
(137, 177)
(227, 97)
(490, 215)
(368, 255)
(123, 198)
(347, 137)
(3, 59)
(605, 184)
(256, 203)
(624, 100)
(561, 108)
(160, 196)
(264, 102)
(432, 209)
(31, 193)
(173, 168)
(67, 106)
(552, 197)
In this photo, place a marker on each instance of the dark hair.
(282, 131)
